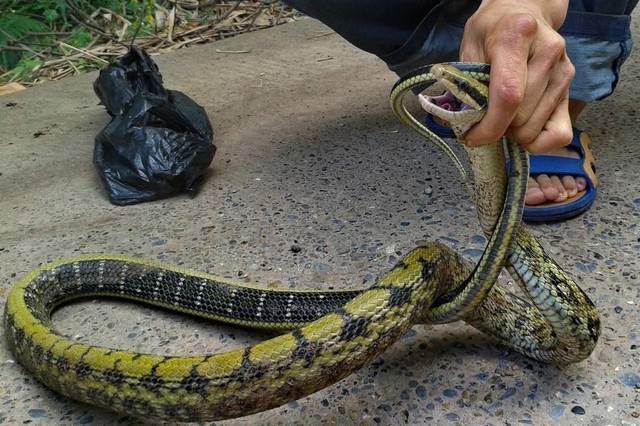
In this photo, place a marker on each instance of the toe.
(547, 186)
(557, 183)
(534, 195)
(569, 183)
(581, 183)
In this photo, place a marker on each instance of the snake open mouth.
(451, 111)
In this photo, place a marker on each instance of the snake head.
(472, 94)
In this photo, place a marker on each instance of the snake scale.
(325, 335)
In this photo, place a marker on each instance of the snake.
(322, 336)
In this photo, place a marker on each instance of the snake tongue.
(446, 101)
(460, 116)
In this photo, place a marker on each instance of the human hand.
(530, 72)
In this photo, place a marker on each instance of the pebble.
(586, 266)
(578, 410)
(630, 379)
(85, 420)
(556, 412)
(421, 391)
(321, 268)
(472, 252)
(452, 417)
(37, 413)
(478, 239)
(508, 394)
(450, 393)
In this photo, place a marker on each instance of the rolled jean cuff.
(597, 44)
(597, 64)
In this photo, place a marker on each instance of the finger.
(542, 69)
(555, 93)
(508, 55)
(557, 131)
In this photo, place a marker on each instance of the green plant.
(13, 26)
(81, 38)
(23, 68)
(142, 11)
(44, 22)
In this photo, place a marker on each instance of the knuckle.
(470, 23)
(564, 136)
(569, 71)
(511, 30)
(556, 46)
(523, 24)
(492, 42)
(524, 136)
(510, 94)
(519, 120)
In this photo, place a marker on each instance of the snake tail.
(318, 352)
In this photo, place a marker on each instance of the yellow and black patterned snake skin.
(327, 335)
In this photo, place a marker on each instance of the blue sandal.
(563, 166)
(584, 166)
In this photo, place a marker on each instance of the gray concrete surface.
(310, 154)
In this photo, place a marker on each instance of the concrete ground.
(310, 154)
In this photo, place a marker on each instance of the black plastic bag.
(159, 141)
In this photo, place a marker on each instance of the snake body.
(326, 335)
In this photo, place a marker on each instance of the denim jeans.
(409, 33)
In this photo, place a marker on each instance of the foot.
(549, 189)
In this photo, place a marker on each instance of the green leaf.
(8, 60)
(80, 39)
(50, 15)
(24, 68)
(16, 25)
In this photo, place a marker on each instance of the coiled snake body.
(326, 335)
